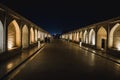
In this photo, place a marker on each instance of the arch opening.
(114, 37)
(13, 35)
(85, 37)
(1, 35)
(92, 37)
(25, 37)
(32, 36)
(101, 38)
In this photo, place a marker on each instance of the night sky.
(61, 16)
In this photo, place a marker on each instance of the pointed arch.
(92, 37)
(32, 38)
(77, 36)
(14, 37)
(101, 38)
(114, 37)
(1, 37)
(35, 35)
(85, 37)
(25, 37)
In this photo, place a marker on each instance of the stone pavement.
(9, 65)
(100, 53)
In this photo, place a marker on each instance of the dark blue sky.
(61, 16)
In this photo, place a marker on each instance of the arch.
(38, 34)
(35, 35)
(70, 36)
(32, 39)
(81, 36)
(77, 36)
(101, 38)
(25, 37)
(14, 39)
(114, 37)
(92, 37)
(1, 37)
(85, 37)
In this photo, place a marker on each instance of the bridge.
(103, 36)
(17, 32)
(90, 52)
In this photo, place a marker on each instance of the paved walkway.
(100, 53)
(9, 65)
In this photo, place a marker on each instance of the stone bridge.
(103, 36)
(17, 32)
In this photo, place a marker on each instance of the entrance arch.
(25, 37)
(13, 35)
(92, 37)
(1, 37)
(114, 37)
(32, 36)
(101, 38)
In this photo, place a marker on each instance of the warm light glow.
(10, 46)
(101, 35)
(9, 66)
(92, 37)
(118, 46)
(24, 36)
(31, 36)
(13, 35)
(80, 44)
(77, 39)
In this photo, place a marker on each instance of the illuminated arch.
(25, 37)
(32, 39)
(38, 34)
(70, 36)
(77, 36)
(114, 37)
(92, 37)
(35, 35)
(101, 38)
(13, 35)
(85, 37)
(1, 37)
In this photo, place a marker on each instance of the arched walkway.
(32, 36)
(92, 37)
(114, 37)
(25, 37)
(101, 38)
(13, 35)
(1, 37)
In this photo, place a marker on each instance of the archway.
(77, 38)
(101, 38)
(36, 35)
(114, 37)
(25, 37)
(81, 36)
(1, 37)
(85, 37)
(92, 37)
(32, 36)
(13, 35)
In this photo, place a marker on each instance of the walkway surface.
(9, 65)
(100, 53)
(61, 60)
